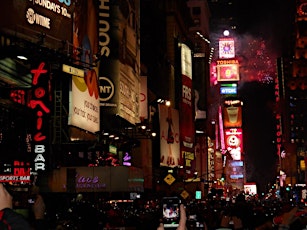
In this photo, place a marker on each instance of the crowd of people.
(142, 214)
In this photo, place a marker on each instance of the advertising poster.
(169, 136)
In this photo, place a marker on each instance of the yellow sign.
(184, 194)
(169, 179)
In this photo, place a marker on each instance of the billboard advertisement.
(119, 79)
(229, 89)
(228, 70)
(232, 114)
(250, 188)
(235, 174)
(169, 136)
(51, 19)
(234, 142)
(84, 110)
(186, 117)
(226, 48)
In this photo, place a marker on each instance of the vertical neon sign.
(39, 104)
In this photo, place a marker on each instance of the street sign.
(169, 179)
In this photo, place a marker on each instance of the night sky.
(269, 22)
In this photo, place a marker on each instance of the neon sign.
(39, 104)
(19, 172)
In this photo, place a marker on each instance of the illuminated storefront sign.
(228, 70)
(97, 179)
(39, 103)
(127, 159)
(18, 172)
(88, 182)
(18, 96)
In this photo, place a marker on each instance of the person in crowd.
(182, 222)
(39, 209)
(293, 219)
(9, 219)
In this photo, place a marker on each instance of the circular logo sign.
(106, 88)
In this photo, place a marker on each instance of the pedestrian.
(182, 222)
(9, 219)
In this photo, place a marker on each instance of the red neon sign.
(38, 103)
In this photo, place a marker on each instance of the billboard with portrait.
(169, 136)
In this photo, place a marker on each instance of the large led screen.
(232, 114)
(228, 70)
(226, 48)
(234, 142)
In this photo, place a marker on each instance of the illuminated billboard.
(84, 109)
(186, 108)
(119, 80)
(16, 172)
(51, 19)
(228, 70)
(234, 142)
(232, 113)
(226, 48)
(228, 89)
(250, 188)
